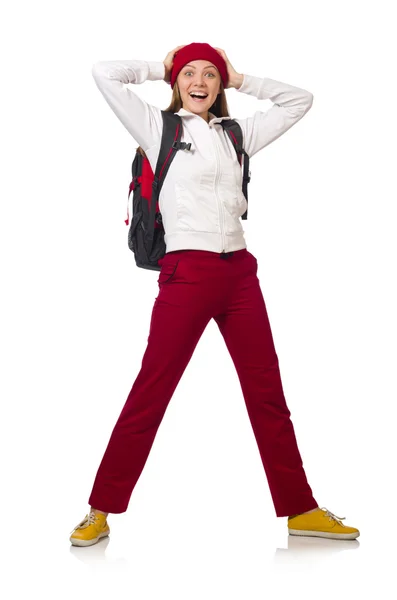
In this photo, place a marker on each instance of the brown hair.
(219, 108)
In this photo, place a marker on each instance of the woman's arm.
(141, 119)
(290, 105)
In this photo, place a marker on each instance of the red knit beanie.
(198, 51)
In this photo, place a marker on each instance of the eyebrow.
(207, 67)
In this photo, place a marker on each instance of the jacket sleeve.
(143, 120)
(290, 104)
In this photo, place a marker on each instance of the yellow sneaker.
(321, 523)
(91, 529)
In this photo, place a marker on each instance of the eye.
(209, 73)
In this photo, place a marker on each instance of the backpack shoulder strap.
(170, 144)
(235, 133)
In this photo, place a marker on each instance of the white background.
(75, 309)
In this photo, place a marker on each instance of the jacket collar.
(213, 119)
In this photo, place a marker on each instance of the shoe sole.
(324, 534)
(77, 542)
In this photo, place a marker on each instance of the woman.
(201, 203)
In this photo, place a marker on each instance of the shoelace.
(331, 517)
(88, 520)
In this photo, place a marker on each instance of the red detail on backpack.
(146, 179)
(239, 156)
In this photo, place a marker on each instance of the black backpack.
(146, 233)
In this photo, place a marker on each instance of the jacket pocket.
(242, 202)
(233, 205)
(197, 208)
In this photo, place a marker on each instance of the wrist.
(237, 80)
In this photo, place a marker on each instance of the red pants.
(194, 287)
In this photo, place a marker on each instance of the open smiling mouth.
(198, 97)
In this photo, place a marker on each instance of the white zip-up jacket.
(201, 200)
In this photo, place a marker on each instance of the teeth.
(200, 95)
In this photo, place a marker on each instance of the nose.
(200, 79)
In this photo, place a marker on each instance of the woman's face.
(199, 76)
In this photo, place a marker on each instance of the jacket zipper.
(220, 212)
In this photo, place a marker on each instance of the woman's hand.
(235, 79)
(169, 61)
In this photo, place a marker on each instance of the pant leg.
(178, 320)
(247, 333)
